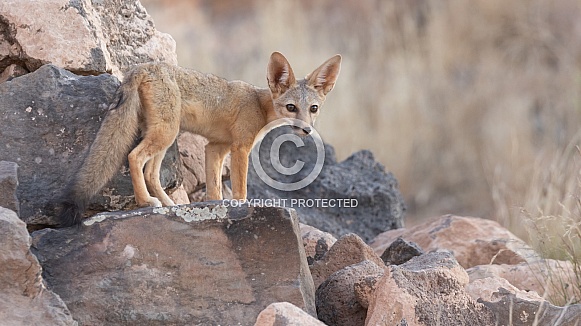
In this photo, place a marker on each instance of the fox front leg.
(239, 172)
(215, 154)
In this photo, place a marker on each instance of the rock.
(427, 290)
(11, 72)
(193, 264)
(509, 309)
(180, 196)
(8, 184)
(474, 241)
(23, 298)
(85, 37)
(49, 119)
(370, 199)
(192, 153)
(316, 242)
(336, 301)
(400, 251)
(365, 289)
(488, 289)
(285, 314)
(552, 279)
(348, 250)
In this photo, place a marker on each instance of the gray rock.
(49, 120)
(400, 251)
(359, 179)
(23, 298)
(8, 184)
(185, 265)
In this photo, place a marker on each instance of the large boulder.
(510, 309)
(24, 300)
(473, 241)
(371, 201)
(555, 280)
(86, 37)
(49, 120)
(426, 290)
(184, 265)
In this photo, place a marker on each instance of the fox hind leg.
(155, 142)
(152, 168)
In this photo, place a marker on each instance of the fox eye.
(314, 108)
(291, 108)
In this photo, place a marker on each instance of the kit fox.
(157, 100)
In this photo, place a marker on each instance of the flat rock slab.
(198, 264)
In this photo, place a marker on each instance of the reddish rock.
(348, 250)
(337, 303)
(489, 288)
(24, 300)
(316, 242)
(12, 71)
(180, 196)
(473, 241)
(86, 37)
(555, 280)
(182, 265)
(427, 290)
(285, 314)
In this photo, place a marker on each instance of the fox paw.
(151, 202)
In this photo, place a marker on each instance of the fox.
(157, 100)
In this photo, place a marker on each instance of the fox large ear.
(279, 74)
(323, 78)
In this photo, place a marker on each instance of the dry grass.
(468, 102)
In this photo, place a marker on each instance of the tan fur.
(160, 100)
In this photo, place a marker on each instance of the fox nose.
(307, 130)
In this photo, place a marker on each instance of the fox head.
(300, 99)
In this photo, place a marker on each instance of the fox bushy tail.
(113, 143)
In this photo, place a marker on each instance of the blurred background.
(474, 105)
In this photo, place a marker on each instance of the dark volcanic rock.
(8, 184)
(49, 119)
(359, 179)
(400, 251)
(337, 303)
(184, 265)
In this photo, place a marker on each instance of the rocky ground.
(212, 263)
